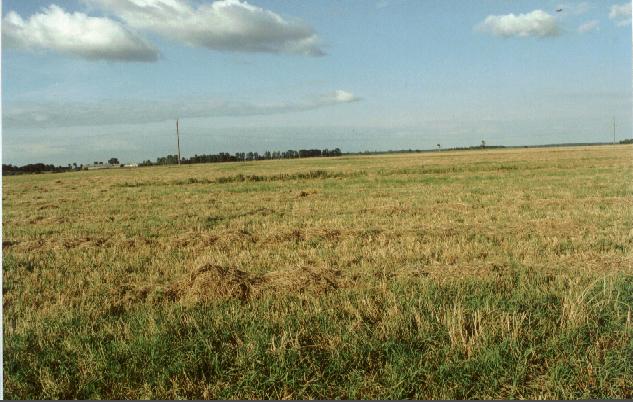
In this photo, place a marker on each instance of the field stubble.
(493, 274)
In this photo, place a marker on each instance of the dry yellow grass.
(369, 234)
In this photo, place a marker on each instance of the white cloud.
(226, 25)
(340, 96)
(536, 23)
(621, 14)
(589, 26)
(70, 114)
(92, 38)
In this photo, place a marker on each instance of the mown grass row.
(325, 174)
(239, 178)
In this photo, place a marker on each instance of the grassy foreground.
(493, 274)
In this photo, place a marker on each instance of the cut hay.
(211, 283)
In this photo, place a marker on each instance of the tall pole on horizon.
(178, 139)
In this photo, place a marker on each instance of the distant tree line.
(244, 156)
(9, 169)
(417, 151)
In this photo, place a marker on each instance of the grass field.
(478, 274)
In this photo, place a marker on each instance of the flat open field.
(478, 274)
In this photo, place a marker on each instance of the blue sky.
(276, 75)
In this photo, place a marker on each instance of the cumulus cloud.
(225, 25)
(621, 14)
(70, 114)
(589, 26)
(536, 23)
(92, 38)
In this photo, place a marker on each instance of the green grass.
(411, 339)
(498, 274)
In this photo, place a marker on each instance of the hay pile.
(211, 283)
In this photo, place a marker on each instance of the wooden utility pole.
(178, 139)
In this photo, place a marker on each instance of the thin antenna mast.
(178, 139)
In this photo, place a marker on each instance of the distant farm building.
(101, 165)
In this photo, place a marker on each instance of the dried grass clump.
(211, 283)
(302, 280)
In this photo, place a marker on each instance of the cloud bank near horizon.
(72, 114)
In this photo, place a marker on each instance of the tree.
(113, 161)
